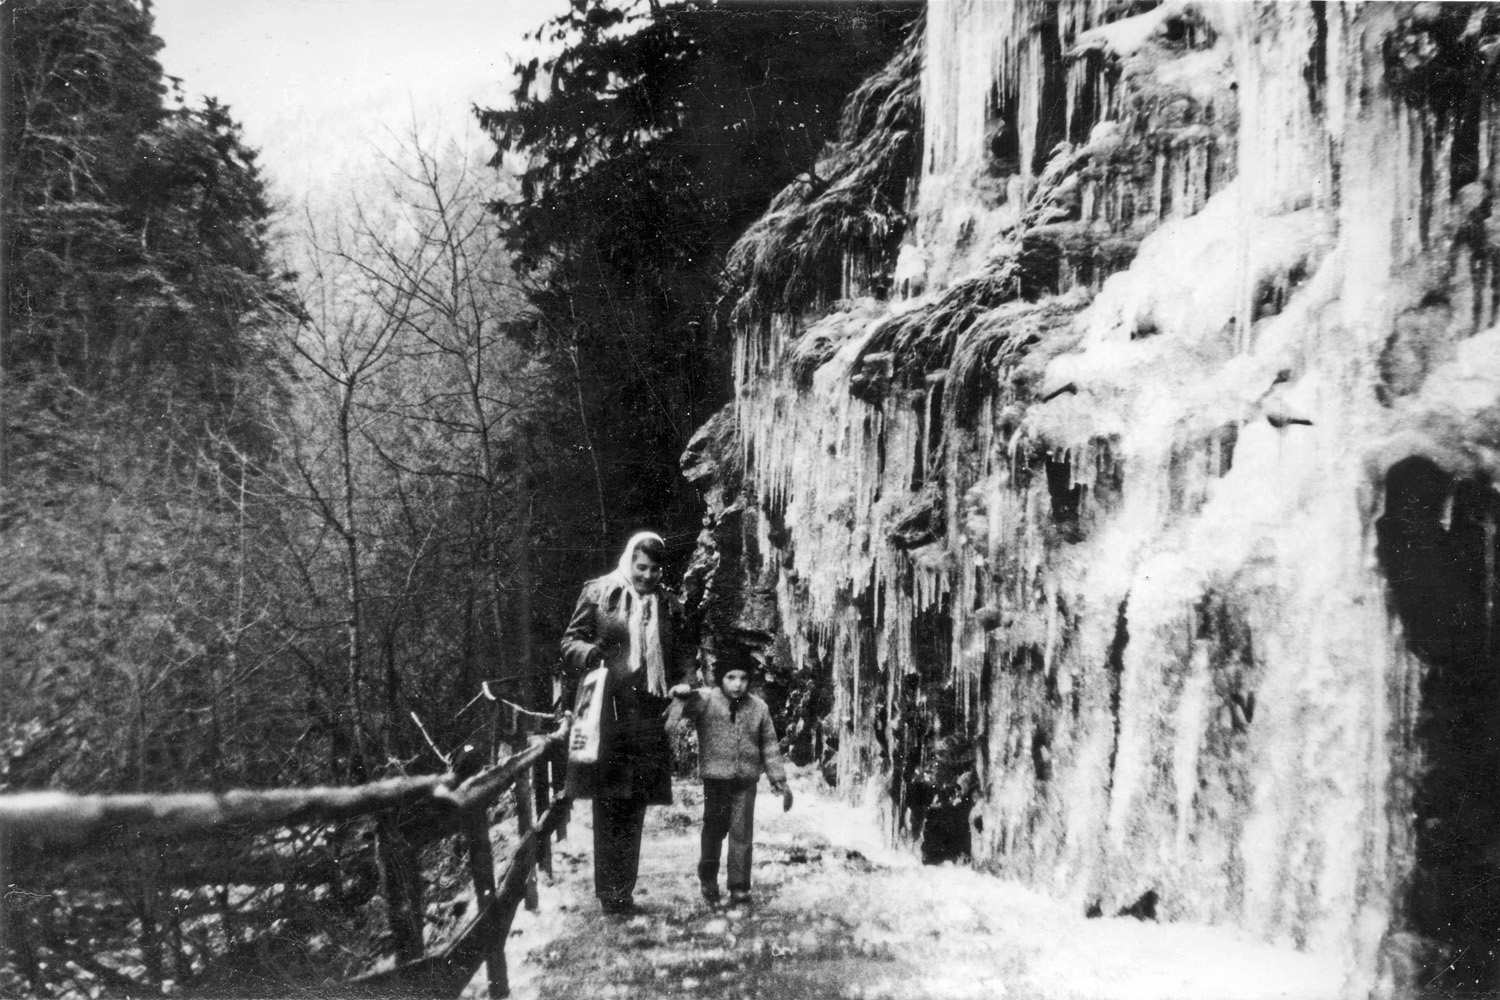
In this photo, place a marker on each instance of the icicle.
(1188, 726)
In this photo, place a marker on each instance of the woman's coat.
(635, 759)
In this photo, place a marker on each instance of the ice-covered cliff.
(1117, 426)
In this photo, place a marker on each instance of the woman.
(627, 622)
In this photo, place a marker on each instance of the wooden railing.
(66, 830)
(444, 972)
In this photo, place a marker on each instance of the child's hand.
(681, 691)
(786, 798)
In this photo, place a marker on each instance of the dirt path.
(838, 915)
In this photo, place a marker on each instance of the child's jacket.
(734, 741)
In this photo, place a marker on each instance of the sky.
(322, 86)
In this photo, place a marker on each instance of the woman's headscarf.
(643, 612)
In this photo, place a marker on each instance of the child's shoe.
(710, 893)
(739, 897)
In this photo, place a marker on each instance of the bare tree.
(467, 396)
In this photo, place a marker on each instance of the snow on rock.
(1125, 36)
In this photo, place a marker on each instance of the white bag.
(588, 717)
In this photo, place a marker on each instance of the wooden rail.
(60, 823)
(65, 828)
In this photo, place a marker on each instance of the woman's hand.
(786, 799)
(681, 691)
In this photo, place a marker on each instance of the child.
(736, 742)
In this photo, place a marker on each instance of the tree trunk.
(354, 630)
(529, 690)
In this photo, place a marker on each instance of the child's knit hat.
(725, 656)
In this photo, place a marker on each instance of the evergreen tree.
(139, 373)
(135, 232)
(650, 139)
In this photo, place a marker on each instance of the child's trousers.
(728, 808)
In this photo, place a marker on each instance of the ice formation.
(1140, 502)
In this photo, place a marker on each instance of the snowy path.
(837, 915)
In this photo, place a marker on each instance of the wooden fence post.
(401, 880)
(557, 757)
(543, 798)
(150, 937)
(482, 869)
(525, 823)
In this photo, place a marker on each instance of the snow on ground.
(839, 914)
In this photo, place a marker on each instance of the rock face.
(1114, 450)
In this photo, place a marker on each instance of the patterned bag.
(588, 717)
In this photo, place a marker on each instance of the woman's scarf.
(643, 613)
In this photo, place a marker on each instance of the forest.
(281, 491)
